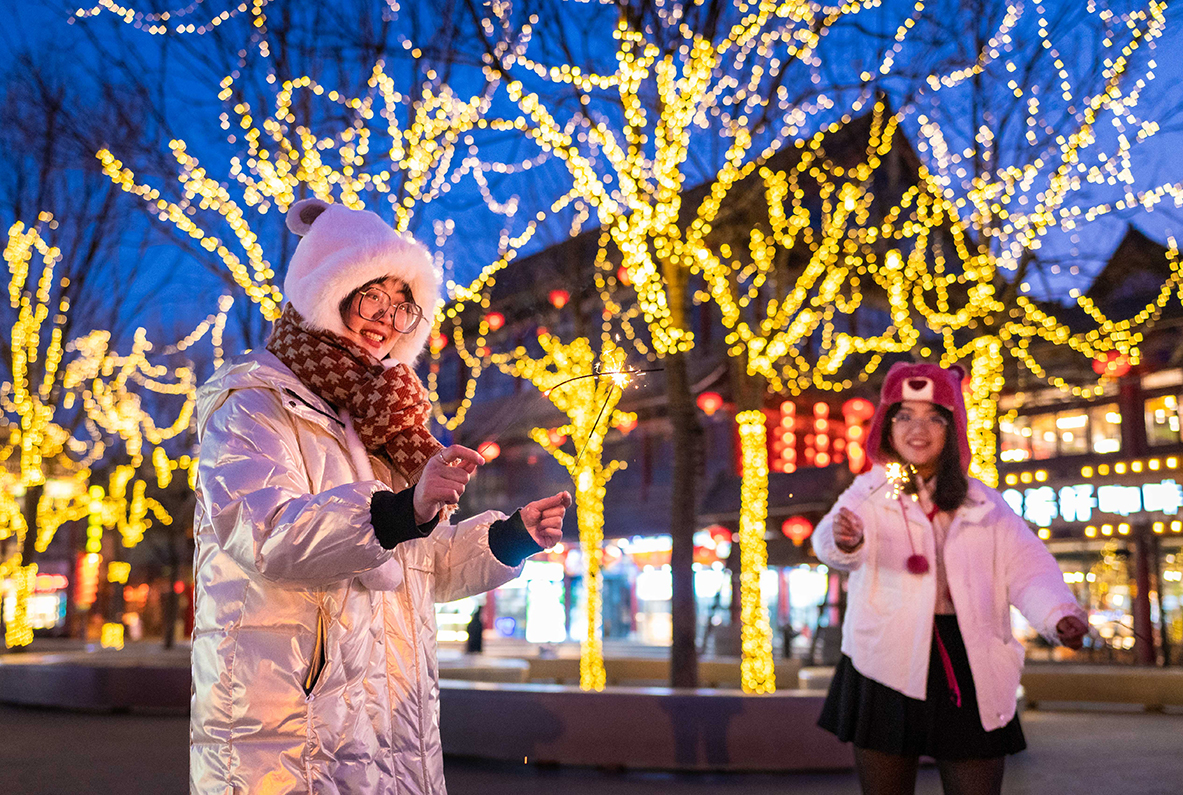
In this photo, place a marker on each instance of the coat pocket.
(319, 658)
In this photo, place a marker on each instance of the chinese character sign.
(1077, 503)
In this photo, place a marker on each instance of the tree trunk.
(757, 672)
(1144, 648)
(172, 599)
(683, 513)
(18, 635)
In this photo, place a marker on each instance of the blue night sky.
(174, 291)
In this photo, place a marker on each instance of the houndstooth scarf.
(388, 406)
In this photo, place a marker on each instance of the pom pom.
(918, 564)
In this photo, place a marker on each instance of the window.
(1013, 439)
(1072, 427)
(1105, 428)
(1095, 429)
(1163, 420)
(1043, 436)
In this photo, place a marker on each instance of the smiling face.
(918, 433)
(376, 335)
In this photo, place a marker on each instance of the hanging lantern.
(556, 437)
(710, 402)
(858, 410)
(622, 276)
(489, 450)
(559, 298)
(1112, 364)
(797, 529)
(495, 320)
(719, 534)
(438, 342)
(626, 425)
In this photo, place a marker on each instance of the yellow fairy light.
(590, 405)
(757, 672)
(118, 571)
(111, 636)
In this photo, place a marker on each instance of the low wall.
(97, 681)
(638, 727)
(1153, 688)
(654, 672)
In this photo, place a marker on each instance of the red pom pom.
(918, 564)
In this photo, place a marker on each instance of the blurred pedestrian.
(323, 537)
(929, 663)
(476, 631)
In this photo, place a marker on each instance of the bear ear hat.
(301, 215)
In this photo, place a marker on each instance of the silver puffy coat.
(314, 652)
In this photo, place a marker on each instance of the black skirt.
(878, 718)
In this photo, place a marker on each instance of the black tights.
(888, 774)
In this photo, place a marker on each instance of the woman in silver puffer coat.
(321, 542)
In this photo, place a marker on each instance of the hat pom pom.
(301, 215)
(917, 564)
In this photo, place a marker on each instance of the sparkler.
(899, 475)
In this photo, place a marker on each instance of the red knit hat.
(937, 385)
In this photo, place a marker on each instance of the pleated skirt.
(876, 717)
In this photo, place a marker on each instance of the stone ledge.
(1153, 688)
(638, 727)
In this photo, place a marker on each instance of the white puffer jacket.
(286, 554)
(992, 561)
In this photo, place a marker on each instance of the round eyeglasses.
(932, 422)
(373, 304)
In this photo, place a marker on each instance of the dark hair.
(952, 485)
(343, 307)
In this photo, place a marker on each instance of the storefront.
(1102, 484)
(547, 604)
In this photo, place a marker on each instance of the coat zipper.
(321, 412)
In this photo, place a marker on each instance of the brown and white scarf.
(388, 405)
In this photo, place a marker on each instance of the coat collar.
(261, 369)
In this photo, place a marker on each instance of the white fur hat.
(342, 249)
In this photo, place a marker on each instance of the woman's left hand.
(544, 518)
(1071, 631)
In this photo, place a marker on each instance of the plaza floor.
(45, 752)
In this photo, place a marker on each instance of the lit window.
(1163, 420)
(1105, 428)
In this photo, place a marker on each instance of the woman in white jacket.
(936, 559)
(322, 539)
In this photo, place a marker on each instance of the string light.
(52, 464)
(757, 672)
(590, 406)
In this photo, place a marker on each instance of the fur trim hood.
(342, 249)
(937, 385)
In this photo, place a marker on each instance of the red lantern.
(626, 425)
(710, 402)
(719, 534)
(858, 410)
(622, 276)
(438, 342)
(495, 320)
(559, 298)
(797, 529)
(1112, 364)
(556, 437)
(489, 450)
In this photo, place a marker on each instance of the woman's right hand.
(443, 480)
(848, 530)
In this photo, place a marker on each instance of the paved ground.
(64, 753)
